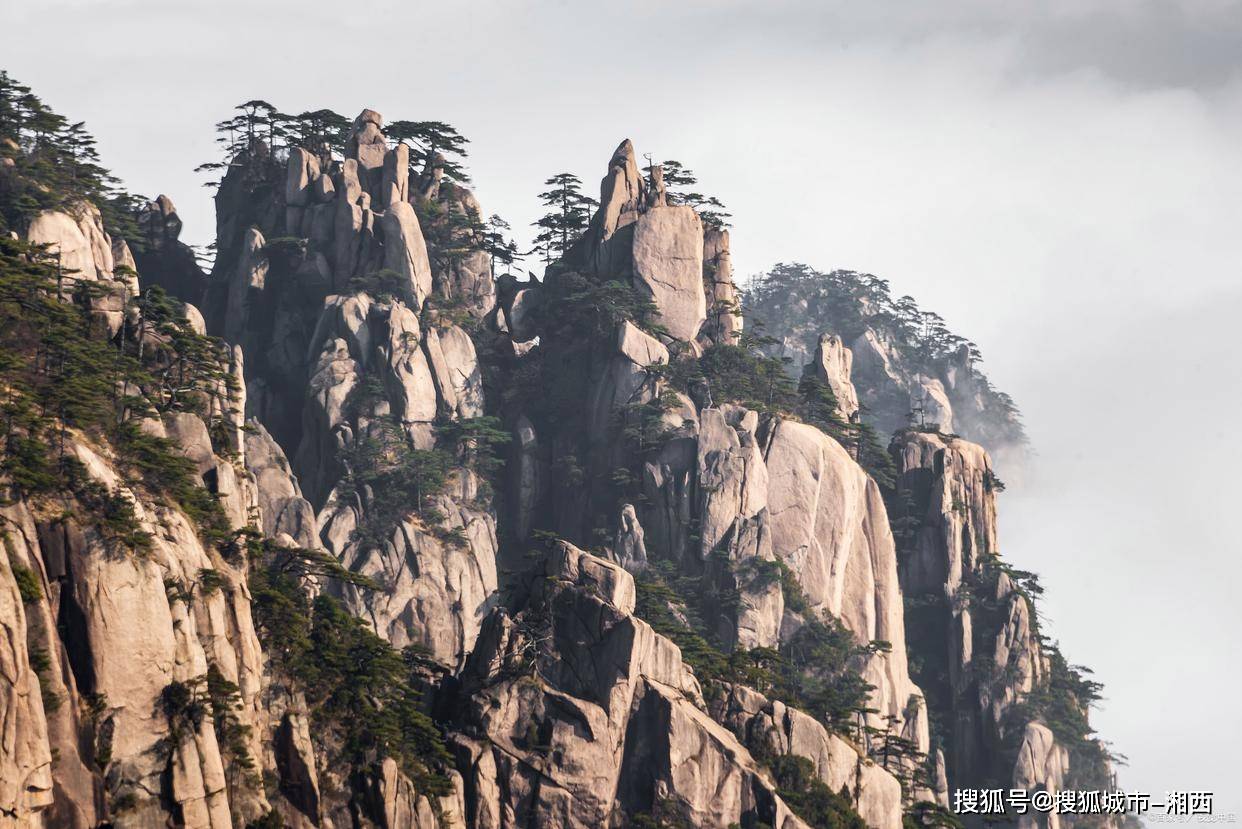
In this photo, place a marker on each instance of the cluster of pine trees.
(48, 162)
(797, 302)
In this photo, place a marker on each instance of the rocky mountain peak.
(381, 539)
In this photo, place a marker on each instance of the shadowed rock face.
(995, 659)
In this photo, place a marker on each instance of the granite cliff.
(356, 531)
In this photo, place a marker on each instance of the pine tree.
(570, 212)
(677, 181)
(503, 250)
(426, 140)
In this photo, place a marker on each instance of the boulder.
(77, 239)
(832, 365)
(629, 545)
(405, 251)
(668, 266)
(302, 170)
(395, 186)
(366, 142)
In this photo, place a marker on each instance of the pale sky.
(1062, 181)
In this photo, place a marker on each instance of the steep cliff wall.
(995, 688)
(410, 546)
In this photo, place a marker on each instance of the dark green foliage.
(476, 440)
(1062, 701)
(1063, 697)
(742, 374)
(225, 700)
(384, 285)
(581, 309)
(297, 563)
(55, 165)
(664, 814)
(810, 798)
(59, 373)
(210, 581)
(656, 603)
(992, 483)
(818, 406)
(321, 132)
(495, 240)
(270, 820)
(27, 584)
(393, 480)
(429, 139)
(357, 686)
(41, 664)
(452, 233)
(927, 815)
(569, 212)
(258, 134)
(159, 465)
(678, 180)
(185, 705)
(258, 124)
(815, 670)
(798, 303)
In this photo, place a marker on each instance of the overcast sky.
(1061, 180)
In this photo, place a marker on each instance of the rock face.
(162, 258)
(908, 369)
(901, 394)
(668, 264)
(724, 321)
(658, 247)
(342, 362)
(114, 632)
(577, 712)
(971, 609)
(436, 589)
(833, 366)
(830, 526)
(773, 728)
(83, 253)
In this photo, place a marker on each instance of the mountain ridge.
(478, 483)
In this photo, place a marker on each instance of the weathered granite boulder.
(832, 364)
(405, 251)
(668, 265)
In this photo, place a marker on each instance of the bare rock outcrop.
(724, 313)
(950, 563)
(579, 715)
(658, 247)
(437, 581)
(668, 264)
(83, 252)
(833, 364)
(772, 728)
(830, 526)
